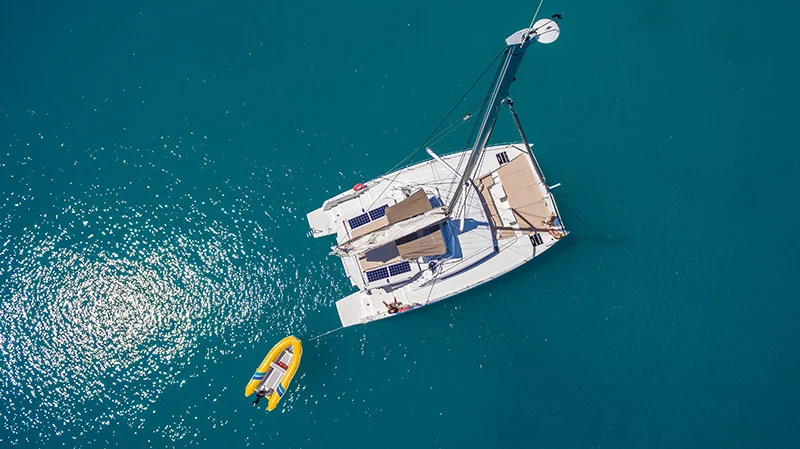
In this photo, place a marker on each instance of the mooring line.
(326, 333)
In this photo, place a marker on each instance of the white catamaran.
(431, 230)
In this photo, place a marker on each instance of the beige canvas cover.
(379, 257)
(390, 233)
(427, 245)
(413, 214)
(415, 204)
(524, 195)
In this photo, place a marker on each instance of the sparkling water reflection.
(106, 299)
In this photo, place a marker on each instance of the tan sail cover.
(431, 244)
(391, 233)
(379, 257)
(415, 204)
(406, 217)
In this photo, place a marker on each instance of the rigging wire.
(477, 124)
(536, 14)
(437, 135)
(463, 97)
(467, 201)
(436, 130)
(454, 125)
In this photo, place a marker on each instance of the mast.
(516, 45)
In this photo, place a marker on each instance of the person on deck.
(553, 226)
(393, 307)
(259, 394)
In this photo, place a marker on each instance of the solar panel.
(378, 213)
(376, 275)
(361, 220)
(399, 268)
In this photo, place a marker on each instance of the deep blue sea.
(157, 160)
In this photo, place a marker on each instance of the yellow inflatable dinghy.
(271, 379)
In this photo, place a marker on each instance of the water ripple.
(107, 300)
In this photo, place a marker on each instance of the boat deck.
(517, 200)
(503, 228)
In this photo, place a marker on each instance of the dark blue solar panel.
(361, 220)
(399, 268)
(376, 275)
(378, 213)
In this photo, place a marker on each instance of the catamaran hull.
(346, 316)
(498, 211)
(482, 251)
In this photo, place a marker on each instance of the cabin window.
(502, 158)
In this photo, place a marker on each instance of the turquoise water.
(157, 163)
